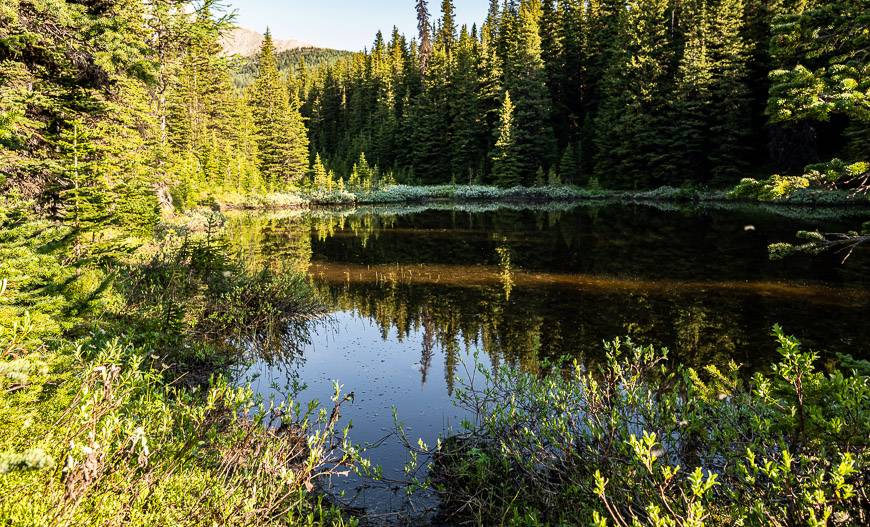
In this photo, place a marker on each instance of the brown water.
(416, 293)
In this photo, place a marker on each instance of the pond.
(418, 295)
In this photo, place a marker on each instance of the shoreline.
(477, 195)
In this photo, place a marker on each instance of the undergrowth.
(635, 442)
(115, 407)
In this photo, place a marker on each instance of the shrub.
(129, 447)
(774, 188)
(635, 442)
(99, 430)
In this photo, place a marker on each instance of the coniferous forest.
(604, 94)
(529, 271)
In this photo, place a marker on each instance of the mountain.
(246, 42)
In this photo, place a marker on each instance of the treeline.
(622, 94)
(110, 106)
(102, 102)
(294, 62)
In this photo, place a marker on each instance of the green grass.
(406, 194)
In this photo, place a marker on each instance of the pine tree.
(631, 124)
(321, 178)
(533, 133)
(689, 130)
(569, 165)
(447, 33)
(203, 109)
(425, 46)
(464, 125)
(282, 139)
(431, 124)
(490, 86)
(84, 194)
(731, 107)
(553, 58)
(506, 170)
(574, 68)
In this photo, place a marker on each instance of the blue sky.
(342, 24)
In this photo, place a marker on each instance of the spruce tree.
(447, 33)
(533, 133)
(490, 86)
(506, 168)
(84, 194)
(569, 165)
(552, 55)
(731, 97)
(464, 125)
(688, 132)
(631, 136)
(572, 75)
(424, 33)
(431, 123)
(282, 139)
(321, 179)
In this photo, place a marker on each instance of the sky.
(343, 24)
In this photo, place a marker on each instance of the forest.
(603, 94)
(529, 271)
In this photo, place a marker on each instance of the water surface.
(417, 293)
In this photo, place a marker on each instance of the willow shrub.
(635, 442)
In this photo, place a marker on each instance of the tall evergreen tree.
(731, 96)
(464, 112)
(572, 75)
(282, 139)
(533, 133)
(631, 124)
(447, 31)
(424, 33)
(506, 167)
(432, 146)
(490, 85)
(688, 131)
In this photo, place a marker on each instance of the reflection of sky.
(382, 373)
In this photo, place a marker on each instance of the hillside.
(245, 67)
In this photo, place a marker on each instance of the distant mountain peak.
(246, 42)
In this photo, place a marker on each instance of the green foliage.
(505, 166)
(633, 441)
(282, 139)
(164, 454)
(776, 187)
(136, 410)
(822, 51)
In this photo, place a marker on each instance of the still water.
(418, 294)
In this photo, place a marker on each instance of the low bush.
(635, 442)
(107, 439)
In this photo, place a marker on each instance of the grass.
(406, 194)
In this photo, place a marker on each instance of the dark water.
(416, 293)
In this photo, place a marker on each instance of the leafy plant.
(633, 441)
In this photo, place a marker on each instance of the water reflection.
(513, 280)
(416, 292)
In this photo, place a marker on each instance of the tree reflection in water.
(529, 285)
